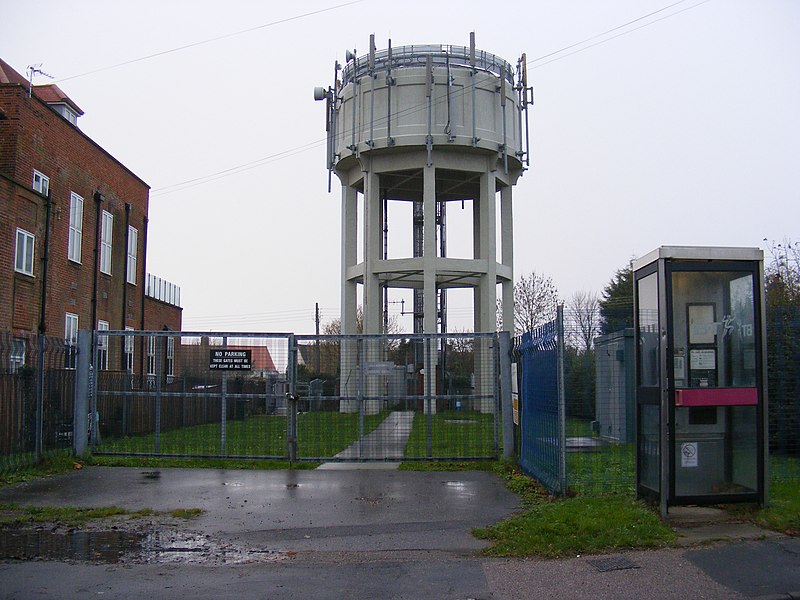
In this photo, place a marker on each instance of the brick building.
(73, 231)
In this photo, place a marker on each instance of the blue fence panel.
(541, 431)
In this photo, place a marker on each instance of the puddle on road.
(121, 546)
(94, 546)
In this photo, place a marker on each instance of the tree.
(334, 326)
(782, 290)
(535, 302)
(584, 314)
(782, 274)
(582, 326)
(616, 305)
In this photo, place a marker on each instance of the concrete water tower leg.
(486, 292)
(348, 350)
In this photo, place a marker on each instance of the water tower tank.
(426, 125)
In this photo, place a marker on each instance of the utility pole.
(316, 319)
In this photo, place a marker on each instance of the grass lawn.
(608, 469)
(453, 434)
(593, 523)
(156, 462)
(555, 528)
(445, 465)
(783, 512)
(15, 515)
(319, 434)
(19, 471)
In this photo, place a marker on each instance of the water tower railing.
(415, 56)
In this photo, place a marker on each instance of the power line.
(613, 29)
(176, 187)
(620, 34)
(190, 183)
(296, 315)
(210, 40)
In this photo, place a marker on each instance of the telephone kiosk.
(700, 373)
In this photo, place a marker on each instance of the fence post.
(428, 408)
(223, 417)
(39, 399)
(291, 401)
(159, 369)
(562, 405)
(506, 409)
(80, 423)
(360, 393)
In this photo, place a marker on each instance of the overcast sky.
(684, 129)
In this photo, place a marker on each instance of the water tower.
(427, 126)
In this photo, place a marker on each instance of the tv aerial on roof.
(33, 71)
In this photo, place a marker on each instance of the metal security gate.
(190, 394)
(543, 436)
(287, 397)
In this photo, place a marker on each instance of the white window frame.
(133, 246)
(75, 228)
(17, 356)
(151, 356)
(70, 339)
(24, 245)
(41, 182)
(106, 232)
(129, 351)
(170, 359)
(102, 346)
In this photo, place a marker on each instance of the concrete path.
(387, 441)
(362, 535)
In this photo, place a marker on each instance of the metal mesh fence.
(397, 397)
(36, 398)
(599, 406)
(599, 402)
(191, 395)
(542, 435)
(783, 384)
(296, 397)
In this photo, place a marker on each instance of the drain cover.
(613, 563)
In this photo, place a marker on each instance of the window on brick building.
(106, 231)
(170, 359)
(23, 254)
(129, 351)
(75, 227)
(17, 356)
(70, 340)
(151, 356)
(102, 346)
(133, 243)
(41, 182)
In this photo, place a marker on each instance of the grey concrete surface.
(388, 440)
(755, 568)
(698, 525)
(298, 510)
(661, 575)
(364, 534)
(397, 579)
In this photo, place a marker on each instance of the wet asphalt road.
(363, 534)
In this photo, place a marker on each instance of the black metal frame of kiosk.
(700, 376)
